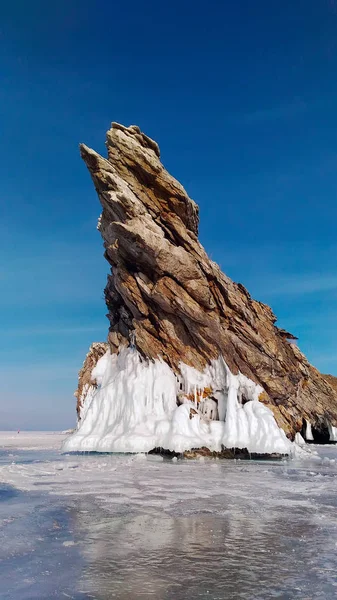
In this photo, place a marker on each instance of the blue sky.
(241, 97)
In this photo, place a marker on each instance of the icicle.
(135, 409)
(332, 432)
(308, 432)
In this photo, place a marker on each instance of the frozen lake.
(136, 527)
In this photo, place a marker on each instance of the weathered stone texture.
(166, 296)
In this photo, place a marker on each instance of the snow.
(134, 409)
(32, 440)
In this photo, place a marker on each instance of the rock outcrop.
(168, 299)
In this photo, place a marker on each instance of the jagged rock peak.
(165, 296)
(137, 156)
(134, 131)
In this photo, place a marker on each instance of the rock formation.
(168, 299)
(331, 380)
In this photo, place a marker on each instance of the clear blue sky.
(241, 97)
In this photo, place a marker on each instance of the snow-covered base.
(134, 409)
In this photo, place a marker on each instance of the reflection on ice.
(131, 527)
(263, 532)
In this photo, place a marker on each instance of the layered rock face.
(166, 297)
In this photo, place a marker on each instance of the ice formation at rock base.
(326, 434)
(332, 432)
(140, 405)
(166, 298)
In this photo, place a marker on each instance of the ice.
(309, 436)
(299, 439)
(140, 527)
(127, 475)
(308, 432)
(130, 409)
(134, 409)
(32, 440)
(85, 399)
(332, 432)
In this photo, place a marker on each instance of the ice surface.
(135, 409)
(33, 440)
(134, 527)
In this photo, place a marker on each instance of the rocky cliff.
(168, 299)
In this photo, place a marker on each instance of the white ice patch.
(134, 409)
(299, 439)
(99, 370)
(332, 432)
(308, 432)
(88, 391)
(85, 401)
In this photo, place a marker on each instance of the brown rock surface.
(168, 298)
(331, 380)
